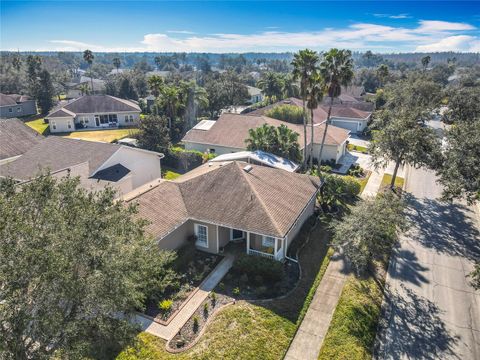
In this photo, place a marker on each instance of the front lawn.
(358, 148)
(38, 125)
(101, 135)
(352, 332)
(252, 330)
(387, 179)
(170, 175)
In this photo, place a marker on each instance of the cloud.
(180, 32)
(430, 26)
(399, 16)
(464, 43)
(428, 35)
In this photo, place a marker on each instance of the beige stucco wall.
(212, 237)
(61, 124)
(223, 236)
(329, 152)
(308, 211)
(177, 238)
(219, 150)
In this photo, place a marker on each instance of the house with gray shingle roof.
(93, 112)
(16, 138)
(261, 207)
(15, 105)
(98, 165)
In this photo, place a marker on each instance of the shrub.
(236, 291)
(205, 309)
(179, 158)
(261, 291)
(258, 280)
(213, 297)
(243, 279)
(186, 254)
(289, 113)
(165, 305)
(195, 324)
(337, 191)
(270, 270)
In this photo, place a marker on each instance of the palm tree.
(336, 69)
(271, 85)
(260, 138)
(287, 142)
(316, 89)
(155, 83)
(426, 61)
(116, 62)
(304, 65)
(290, 87)
(88, 57)
(171, 104)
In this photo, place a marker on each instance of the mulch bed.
(191, 277)
(231, 283)
(193, 327)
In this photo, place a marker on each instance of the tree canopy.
(70, 262)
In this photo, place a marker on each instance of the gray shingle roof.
(57, 153)
(16, 138)
(97, 104)
(12, 99)
(264, 200)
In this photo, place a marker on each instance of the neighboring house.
(262, 207)
(75, 87)
(93, 112)
(14, 105)
(347, 112)
(97, 164)
(229, 132)
(255, 94)
(16, 138)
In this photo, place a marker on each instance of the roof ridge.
(257, 195)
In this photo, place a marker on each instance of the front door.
(237, 234)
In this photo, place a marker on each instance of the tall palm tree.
(155, 83)
(288, 146)
(304, 65)
(336, 69)
(116, 62)
(170, 102)
(88, 57)
(316, 88)
(290, 86)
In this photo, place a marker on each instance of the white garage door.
(349, 125)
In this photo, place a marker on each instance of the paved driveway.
(432, 311)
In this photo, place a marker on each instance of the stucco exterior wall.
(144, 166)
(219, 150)
(61, 124)
(329, 152)
(223, 236)
(211, 236)
(308, 211)
(355, 125)
(177, 238)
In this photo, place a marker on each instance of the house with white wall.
(93, 112)
(228, 134)
(96, 164)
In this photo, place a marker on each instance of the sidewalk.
(309, 337)
(169, 331)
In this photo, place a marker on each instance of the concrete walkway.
(169, 331)
(309, 337)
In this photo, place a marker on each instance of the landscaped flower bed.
(255, 278)
(192, 267)
(193, 327)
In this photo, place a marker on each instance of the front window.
(201, 232)
(19, 109)
(54, 125)
(268, 241)
(237, 234)
(10, 110)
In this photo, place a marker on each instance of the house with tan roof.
(229, 132)
(347, 112)
(97, 165)
(217, 203)
(93, 112)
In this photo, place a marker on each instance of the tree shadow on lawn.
(444, 227)
(412, 327)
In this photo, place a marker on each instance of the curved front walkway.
(169, 331)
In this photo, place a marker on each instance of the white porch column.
(276, 248)
(248, 241)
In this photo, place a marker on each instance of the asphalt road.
(432, 312)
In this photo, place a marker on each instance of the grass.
(246, 330)
(101, 135)
(387, 179)
(38, 125)
(170, 175)
(352, 332)
(363, 182)
(358, 148)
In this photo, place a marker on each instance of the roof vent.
(248, 168)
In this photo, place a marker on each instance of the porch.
(253, 244)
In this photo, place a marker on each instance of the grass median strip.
(352, 332)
